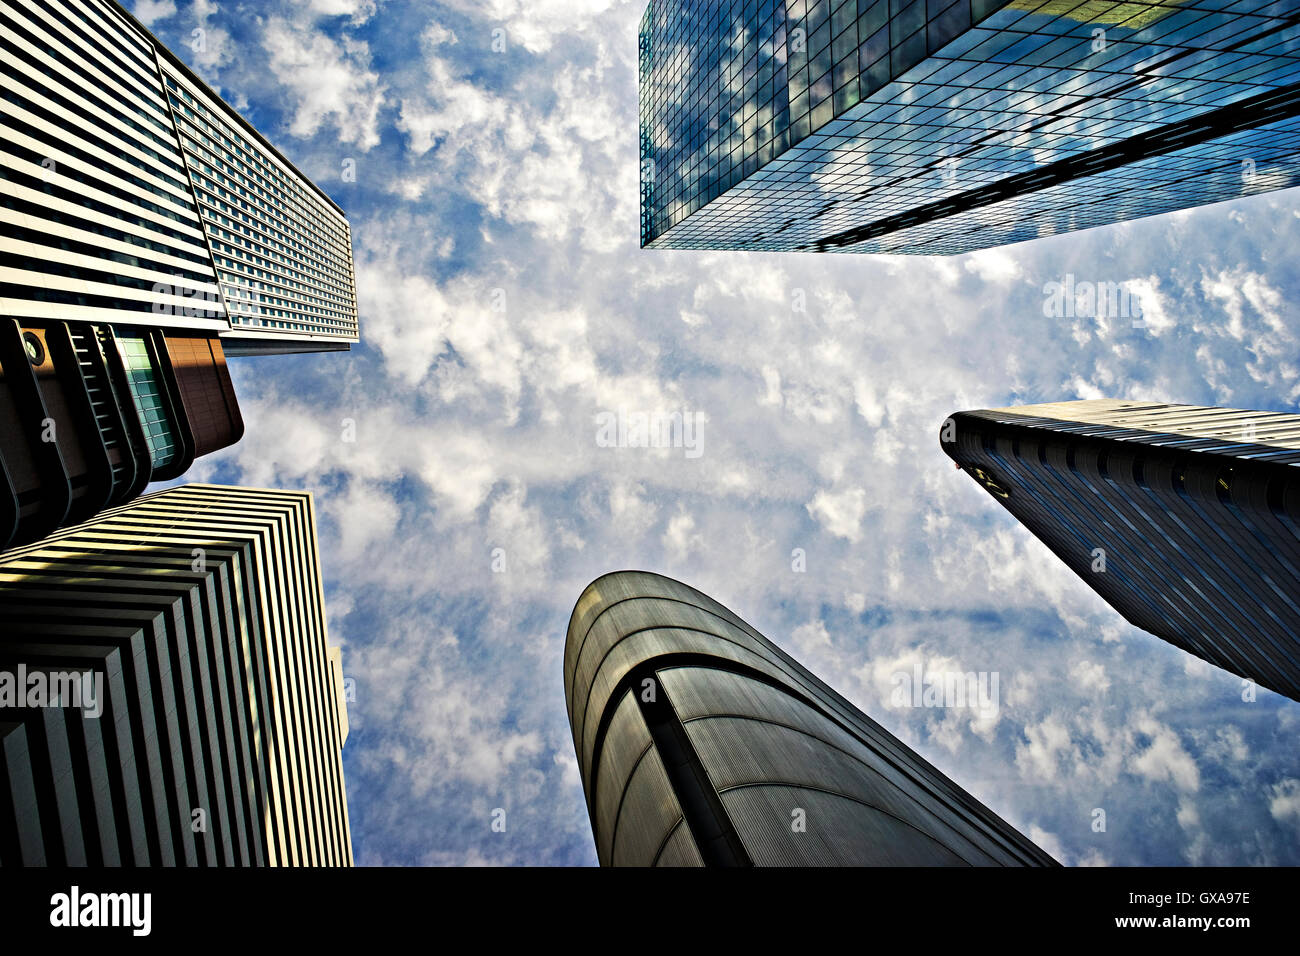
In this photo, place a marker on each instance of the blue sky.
(505, 306)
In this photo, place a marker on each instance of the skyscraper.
(131, 194)
(1185, 519)
(167, 692)
(944, 126)
(147, 231)
(702, 743)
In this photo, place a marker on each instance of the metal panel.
(650, 811)
(794, 826)
(680, 850)
(1190, 536)
(220, 688)
(626, 743)
(732, 710)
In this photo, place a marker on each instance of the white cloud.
(1284, 801)
(1164, 758)
(680, 538)
(1090, 675)
(536, 24)
(1155, 309)
(1045, 744)
(150, 12)
(544, 165)
(1256, 329)
(1050, 843)
(841, 512)
(994, 265)
(330, 79)
(367, 518)
(357, 11)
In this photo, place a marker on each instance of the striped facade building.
(208, 723)
(132, 195)
(147, 232)
(1185, 519)
(701, 743)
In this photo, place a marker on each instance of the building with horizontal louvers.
(215, 736)
(1185, 519)
(702, 743)
(132, 195)
(147, 232)
(944, 126)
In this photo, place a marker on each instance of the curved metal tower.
(702, 743)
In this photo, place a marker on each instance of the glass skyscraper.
(944, 126)
(701, 743)
(1185, 519)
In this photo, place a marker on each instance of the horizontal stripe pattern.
(107, 142)
(202, 607)
(87, 153)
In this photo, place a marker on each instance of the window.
(146, 392)
(34, 347)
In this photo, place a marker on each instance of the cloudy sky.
(506, 307)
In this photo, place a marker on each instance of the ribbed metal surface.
(773, 754)
(735, 712)
(97, 221)
(18, 798)
(787, 742)
(680, 849)
(1195, 511)
(650, 811)
(1187, 427)
(620, 658)
(628, 741)
(833, 831)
